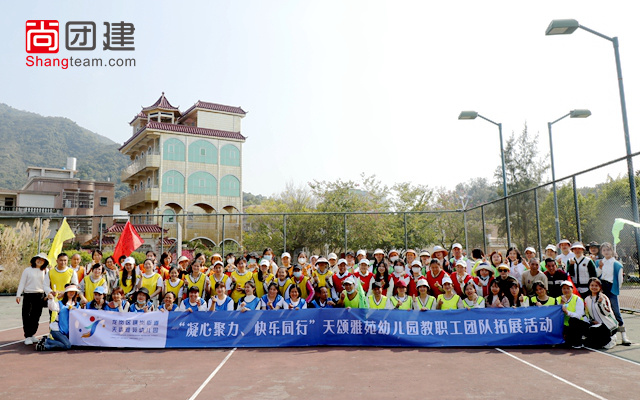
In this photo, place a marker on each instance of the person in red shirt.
(435, 276)
(338, 278)
(364, 275)
(483, 278)
(399, 274)
(460, 277)
(416, 275)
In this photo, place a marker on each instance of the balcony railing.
(141, 196)
(5, 210)
(149, 161)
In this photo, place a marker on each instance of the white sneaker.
(28, 341)
(611, 344)
(34, 339)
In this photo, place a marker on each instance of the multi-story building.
(186, 166)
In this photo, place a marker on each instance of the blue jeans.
(615, 305)
(59, 342)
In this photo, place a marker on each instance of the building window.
(230, 155)
(170, 180)
(203, 152)
(104, 201)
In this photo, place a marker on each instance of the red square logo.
(42, 36)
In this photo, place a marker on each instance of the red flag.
(129, 241)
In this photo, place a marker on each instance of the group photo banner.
(319, 327)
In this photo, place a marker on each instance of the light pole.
(568, 26)
(464, 199)
(572, 114)
(465, 115)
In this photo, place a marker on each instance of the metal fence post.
(406, 237)
(284, 232)
(535, 197)
(100, 237)
(575, 202)
(345, 233)
(222, 243)
(161, 235)
(40, 235)
(484, 231)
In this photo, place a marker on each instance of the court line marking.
(19, 341)
(614, 356)
(553, 375)
(215, 371)
(20, 327)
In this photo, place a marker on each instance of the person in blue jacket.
(58, 338)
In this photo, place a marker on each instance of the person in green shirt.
(352, 296)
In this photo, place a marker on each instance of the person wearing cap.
(425, 259)
(262, 278)
(238, 278)
(435, 275)
(31, 292)
(440, 254)
(284, 282)
(399, 274)
(193, 302)
(217, 275)
(549, 252)
(363, 276)
(221, 301)
(322, 300)
(321, 277)
(600, 314)
(304, 285)
(565, 255)
(471, 299)
(378, 258)
(350, 257)
(286, 263)
(338, 278)
(302, 262)
(377, 301)
(575, 326)
(183, 263)
(456, 252)
(352, 296)
(504, 279)
(98, 302)
(448, 300)
(360, 255)
(517, 265)
(118, 302)
(249, 302)
(267, 254)
(401, 300)
(174, 284)
(531, 276)
(460, 277)
(58, 338)
(416, 275)
(128, 277)
(483, 277)
(312, 261)
(272, 300)
(594, 251)
(496, 297)
(57, 277)
(581, 268)
(197, 278)
(529, 253)
(410, 256)
(151, 280)
(333, 261)
(611, 276)
(90, 282)
(555, 277)
(141, 301)
(393, 255)
(423, 301)
(541, 297)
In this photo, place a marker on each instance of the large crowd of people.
(585, 281)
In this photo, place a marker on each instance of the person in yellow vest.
(197, 278)
(128, 277)
(575, 325)
(322, 274)
(284, 282)
(542, 297)
(400, 301)
(448, 300)
(239, 277)
(151, 280)
(351, 297)
(174, 284)
(90, 282)
(262, 278)
(59, 276)
(305, 288)
(376, 300)
(217, 275)
(423, 301)
(471, 297)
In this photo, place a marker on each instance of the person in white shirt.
(193, 302)
(565, 254)
(31, 289)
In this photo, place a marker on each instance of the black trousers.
(32, 304)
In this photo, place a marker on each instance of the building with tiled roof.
(186, 164)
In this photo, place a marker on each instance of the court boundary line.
(20, 341)
(20, 327)
(597, 396)
(614, 356)
(215, 371)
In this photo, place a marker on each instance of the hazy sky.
(336, 88)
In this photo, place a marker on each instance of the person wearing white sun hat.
(31, 292)
(581, 268)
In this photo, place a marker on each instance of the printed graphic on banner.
(328, 327)
(111, 329)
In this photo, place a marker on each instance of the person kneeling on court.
(193, 302)
(350, 296)
(449, 300)
(575, 326)
(58, 338)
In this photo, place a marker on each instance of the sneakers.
(40, 344)
(611, 344)
(577, 346)
(28, 341)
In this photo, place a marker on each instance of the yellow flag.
(64, 233)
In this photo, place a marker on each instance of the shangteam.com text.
(64, 63)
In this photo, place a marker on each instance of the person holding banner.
(377, 301)
(496, 298)
(58, 338)
(542, 297)
(168, 303)
(351, 297)
(575, 326)
(448, 300)
(323, 300)
(220, 302)
(98, 302)
(517, 299)
(59, 276)
(423, 301)
(400, 301)
(295, 302)
(604, 325)
(249, 302)
(471, 298)
(141, 302)
(90, 282)
(128, 278)
(193, 302)
(272, 300)
(118, 302)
